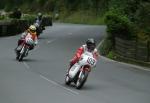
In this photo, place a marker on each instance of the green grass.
(112, 55)
(107, 51)
(105, 47)
(82, 17)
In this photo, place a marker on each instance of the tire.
(17, 53)
(17, 57)
(76, 78)
(67, 80)
(80, 82)
(20, 57)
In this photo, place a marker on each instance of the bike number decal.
(91, 61)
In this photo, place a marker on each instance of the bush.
(118, 25)
(29, 18)
(143, 15)
(111, 55)
(2, 17)
(143, 22)
(144, 35)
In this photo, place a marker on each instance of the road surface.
(40, 77)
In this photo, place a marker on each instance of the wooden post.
(148, 51)
(4, 29)
(136, 47)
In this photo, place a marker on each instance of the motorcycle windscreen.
(74, 70)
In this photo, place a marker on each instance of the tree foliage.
(118, 25)
(133, 11)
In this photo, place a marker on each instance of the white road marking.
(26, 65)
(53, 82)
(50, 41)
(70, 33)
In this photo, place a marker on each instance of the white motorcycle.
(27, 42)
(79, 72)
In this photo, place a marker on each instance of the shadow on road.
(84, 88)
(30, 60)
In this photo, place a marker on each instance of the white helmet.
(32, 28)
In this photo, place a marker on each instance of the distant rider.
(90, 46)
(39, 19)
(39, 24)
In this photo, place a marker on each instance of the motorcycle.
(24, 48)
(39, 28)
(79, 72)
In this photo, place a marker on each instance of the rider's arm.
(79, 52)
(96, 54)
(77, 55)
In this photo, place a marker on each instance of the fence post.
(148, 50)
(4, 29)
(136, 47)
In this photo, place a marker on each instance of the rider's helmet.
(32, 28)
(91, 44)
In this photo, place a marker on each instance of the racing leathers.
(79, 52)
(28, 34)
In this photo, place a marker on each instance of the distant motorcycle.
(39, 28)
(79, 72)
(25, 46)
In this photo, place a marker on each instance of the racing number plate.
(91, 61)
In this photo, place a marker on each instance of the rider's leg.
(72, 62)
(17, 49)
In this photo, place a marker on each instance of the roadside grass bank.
(82, 17)
(106, 50)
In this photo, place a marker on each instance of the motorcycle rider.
(90, 46)
(38, 23)
(39, 19)
(31, 33)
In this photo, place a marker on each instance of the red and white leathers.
(80, 51)
(28, 34)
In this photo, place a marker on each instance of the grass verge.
(105, 50)
(83, 17)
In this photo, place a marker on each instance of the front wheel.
(67, 80)
(20, 57)
(82, 80)
(17, 55)
(22, 53)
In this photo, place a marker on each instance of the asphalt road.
(40, 77)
